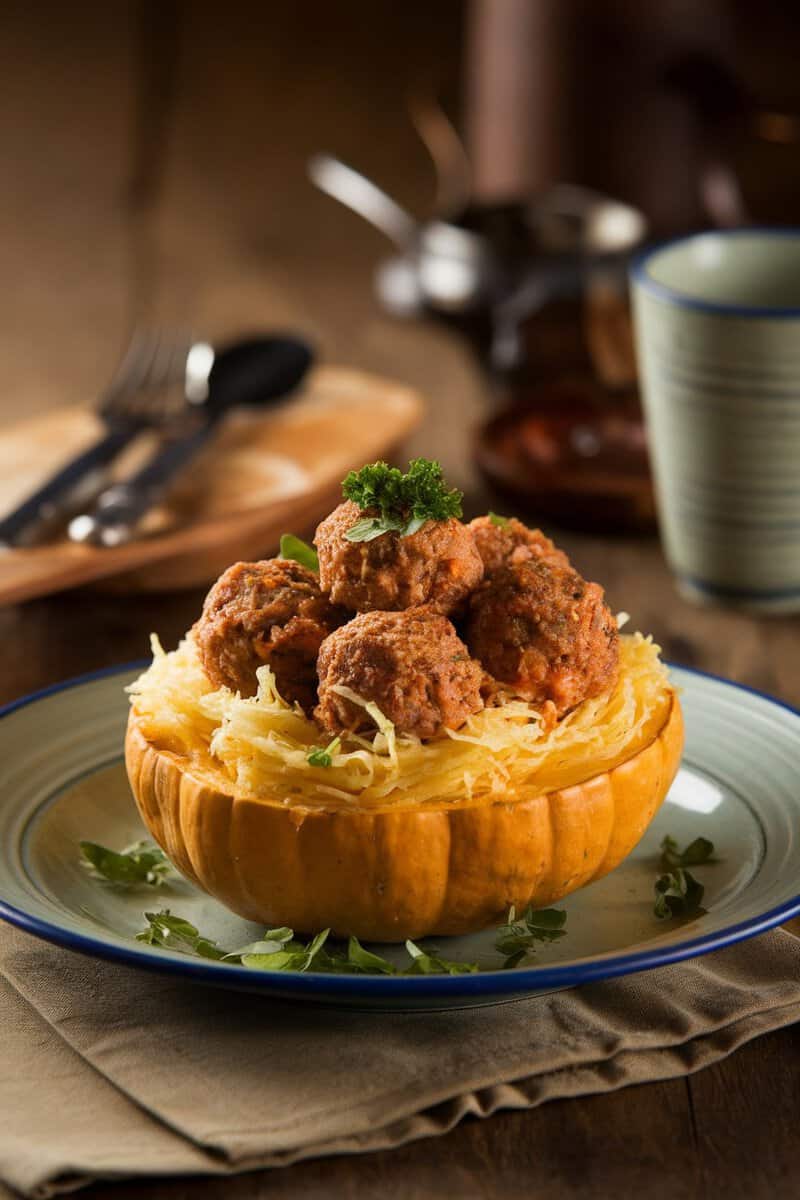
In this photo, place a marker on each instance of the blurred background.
(158, 171)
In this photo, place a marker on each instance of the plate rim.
(520, 981)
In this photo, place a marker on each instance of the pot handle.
(364, 197)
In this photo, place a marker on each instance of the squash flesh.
(259, 747)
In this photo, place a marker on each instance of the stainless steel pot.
(444, 265)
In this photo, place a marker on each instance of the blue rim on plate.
(485, 983)
(639, 274)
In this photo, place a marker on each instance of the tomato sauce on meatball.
(543, 633)
(272, 613)
(500, 545)
(412, 664)
(438, 565)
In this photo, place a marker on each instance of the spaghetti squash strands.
(261, 744)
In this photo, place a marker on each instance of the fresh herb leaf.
(143, 862)
(518, 937)
(496, 519)
(323, 757)
(272, 941)
(700, 851)
(176, 933)
(399, 503)
(279, 950)
(364, 962)
(355, 960)
(423, 963)
(678, 894)
(372, 527)
(297, 550)
(293, 957)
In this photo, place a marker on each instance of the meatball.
(512, 542)
(270, 612)
(438, 565)
(411, 664)
(543, 633)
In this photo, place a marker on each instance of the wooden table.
(175, 192)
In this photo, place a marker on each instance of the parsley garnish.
(279, 950)
(423, 963)
(292, 955)
(496, 519)
(700, 851)
(403, 502)
(516, 939)
(295, 549)
(176, 933)
(323, 756)
(272, 941)
(678, 894)
(364, 962)
(143, 862)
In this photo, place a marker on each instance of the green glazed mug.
(717, 318)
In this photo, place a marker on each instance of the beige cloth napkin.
(107, 1072)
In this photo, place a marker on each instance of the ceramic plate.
(739, 785)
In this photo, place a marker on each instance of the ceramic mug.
(717, 319)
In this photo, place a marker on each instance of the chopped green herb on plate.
(141, 863)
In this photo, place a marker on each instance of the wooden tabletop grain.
(158, 155)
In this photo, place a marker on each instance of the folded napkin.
(108, 1072)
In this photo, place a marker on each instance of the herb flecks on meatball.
(438, 565)
(503, 541)
(411, 664)
(543, 633)
(272, 613)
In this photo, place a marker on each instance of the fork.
(139, 396)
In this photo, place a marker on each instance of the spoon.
(251, 373)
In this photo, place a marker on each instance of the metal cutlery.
(248, 373)
(141, 395)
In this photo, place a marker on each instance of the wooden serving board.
(263, 475)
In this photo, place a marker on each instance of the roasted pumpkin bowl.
(441, 840)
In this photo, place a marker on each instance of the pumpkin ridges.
(389, 874)
(168, 786)
(419, 893)
(204, 810)
(490, 855)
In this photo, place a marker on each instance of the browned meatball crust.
(439, 565)
(544, 633)
(270, 612)
(411, 664)
(512, 542)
